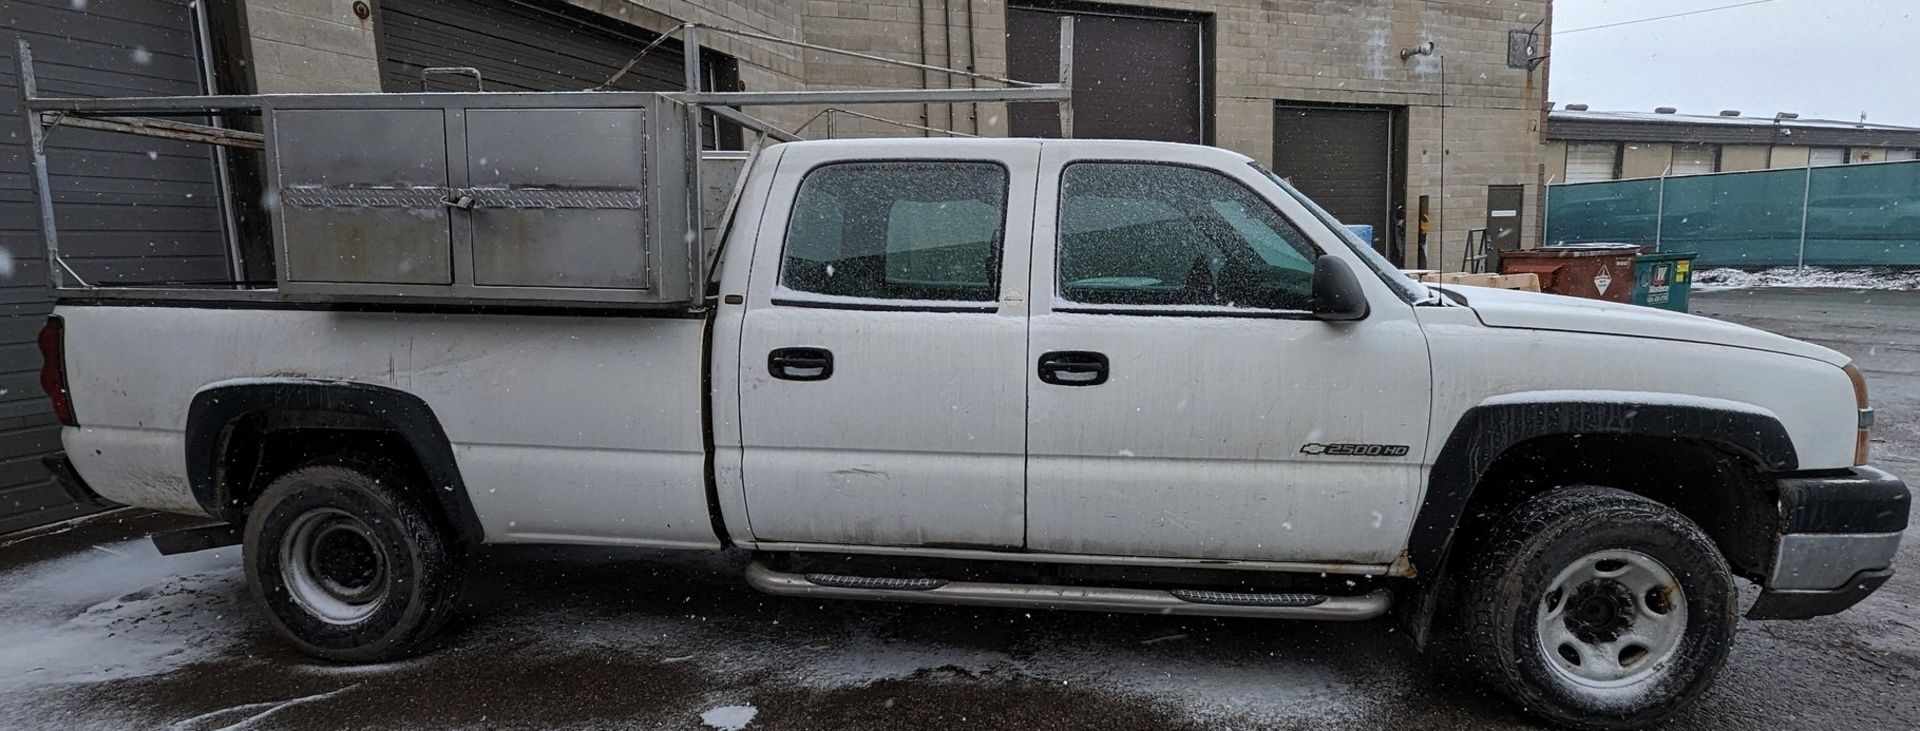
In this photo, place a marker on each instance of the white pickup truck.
(1100, 375)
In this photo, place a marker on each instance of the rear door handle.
(800, 364)
(1073, 368)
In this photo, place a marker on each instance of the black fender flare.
(217, 407)
(1487, 431)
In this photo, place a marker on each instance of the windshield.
(1408, 288)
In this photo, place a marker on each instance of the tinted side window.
(898, 230)
(1150, 234)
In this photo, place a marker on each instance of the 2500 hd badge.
(1356, 450)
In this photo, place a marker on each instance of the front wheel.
(1597, 608)
(349, 563)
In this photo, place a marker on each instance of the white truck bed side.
(565, 429)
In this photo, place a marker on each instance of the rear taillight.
(53, 369)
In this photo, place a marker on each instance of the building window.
(1591, 161)
(1822, 156)
(1695, 159)
(1896, 155)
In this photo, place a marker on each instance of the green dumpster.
(1663, 280)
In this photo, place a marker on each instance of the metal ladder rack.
(366, 223)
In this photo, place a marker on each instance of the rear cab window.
(899, 232)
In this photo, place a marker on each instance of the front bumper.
(1840, 532)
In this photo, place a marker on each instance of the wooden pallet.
(1528, 282)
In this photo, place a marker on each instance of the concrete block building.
(1321, 91)
(1382, 110)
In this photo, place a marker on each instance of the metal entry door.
(1503, 216)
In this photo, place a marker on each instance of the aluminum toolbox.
(528, 198)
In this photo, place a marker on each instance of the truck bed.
(565, 428)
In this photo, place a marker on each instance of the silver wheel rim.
(1612, 619)
(334, 569)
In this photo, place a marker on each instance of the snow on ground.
(729, 718)
(76, 624)
(112, 612)
(1709, 280)
(249, 715)
(1282, 687)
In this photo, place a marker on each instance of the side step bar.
(1045, 596)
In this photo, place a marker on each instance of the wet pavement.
(98, 631)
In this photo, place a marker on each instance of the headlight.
(1861, 441)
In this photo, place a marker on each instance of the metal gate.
(132, 209)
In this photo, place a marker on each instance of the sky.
(1825, 59)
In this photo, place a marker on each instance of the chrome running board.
(1053, 596)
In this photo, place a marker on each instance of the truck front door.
(1183, 402)
(882, 397)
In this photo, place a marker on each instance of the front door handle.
(800, 364)
(1073, 368)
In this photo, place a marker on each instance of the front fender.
(1488, 429)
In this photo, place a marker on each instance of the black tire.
(349, 563)
(1509, 611)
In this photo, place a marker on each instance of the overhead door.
(1696, 159)
(1135, 77)
(536, 45)
(518, 45)
(1589, 162)
(1342, 158)
(131, 209)
(1824, 156)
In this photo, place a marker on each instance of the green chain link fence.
(1838, 216)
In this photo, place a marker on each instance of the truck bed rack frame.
(678, 267)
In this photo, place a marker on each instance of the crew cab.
(1069, 374)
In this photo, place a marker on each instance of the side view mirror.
(1336, 292)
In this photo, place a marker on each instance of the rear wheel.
(1597, 608)
(349, 565)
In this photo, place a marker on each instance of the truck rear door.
(883, 348)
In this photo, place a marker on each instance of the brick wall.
(1330, 51)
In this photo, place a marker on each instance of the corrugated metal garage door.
(1592, 161)
(518, 45)
(535, 45)
(1823, 156)
(1340, 157)
(1696, 159)
(130, 209)
(1134, 78)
